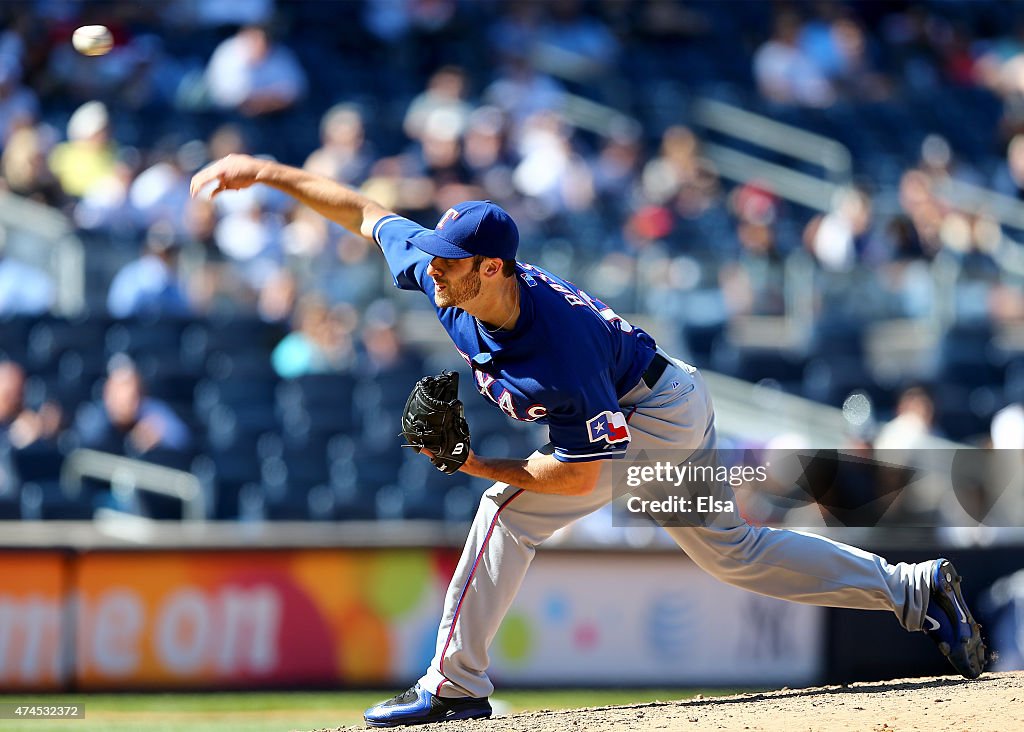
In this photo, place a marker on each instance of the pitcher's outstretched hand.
(232, 173)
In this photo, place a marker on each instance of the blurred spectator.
(127, 421)
(923, 209)
(321, 341)
(88, 156)
(160, 192)
(306, 235)
(550, 170)
(911, 38)
(1007, 429)
(574, 45)
(521, 91)
(617, 166)
(958, 56)
(225, 140)
(354, 275)
(24, 167)
(220, 15)
(484, 151)
(836, 43)
(344, 154)
(940, 164)
(24, 289)
(19, 105)
(422, 25)
(755, 284)
(515, 31)
(784, 73)
(970, 242)
(105, 206)
(385, 351)
(277, 297)
(253, 74)
(387, 20)
(839, 239)
(13, 38)
(682, 176)
(1001, 68)
(444, 98)
(913, 424)
(438, 156)
(213, 282)
(22, 426)
(819, 41)
(1010, 178)
(901, 241)
(250, 238)
(149, 285)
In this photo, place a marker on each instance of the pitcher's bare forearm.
(330, 199)
(537, 473)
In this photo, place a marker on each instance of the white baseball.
(92, 40)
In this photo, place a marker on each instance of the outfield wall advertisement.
(246, 619)
(34, 620)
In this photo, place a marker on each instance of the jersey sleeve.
(408, 264)
(589, 426)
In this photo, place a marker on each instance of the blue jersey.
(566, 363)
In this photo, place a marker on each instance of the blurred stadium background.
(201, 484)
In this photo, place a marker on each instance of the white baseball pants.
(677, 414)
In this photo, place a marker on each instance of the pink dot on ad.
(585, 636)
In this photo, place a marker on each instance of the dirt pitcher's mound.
(993, 703)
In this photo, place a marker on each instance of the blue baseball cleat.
(949, 623)
(419, 706)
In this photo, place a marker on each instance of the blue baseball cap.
(471, 228)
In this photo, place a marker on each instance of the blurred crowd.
(423, 103)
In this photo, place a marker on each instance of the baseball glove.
(433, 419)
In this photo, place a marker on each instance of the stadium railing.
(45, 238)
(128, 477)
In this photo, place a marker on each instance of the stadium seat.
(46, 501)
(755, 364)
(968, 357)
(249, 504)
(39, 462)
(291, 505)
(176, 459)
(460, 505)
(244, 362)
(389, 503)
(831, 380)
(963, 413)
(14, 332)
(354, 501)
(321, 503)
(138, 337)
(228, 426)
(238, 464)
(307, 465)
(10, 508)
(49, 338)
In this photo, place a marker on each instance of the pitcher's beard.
(458, 291)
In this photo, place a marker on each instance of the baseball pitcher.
(542, 350)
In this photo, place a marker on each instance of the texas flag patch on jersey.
(608, 426)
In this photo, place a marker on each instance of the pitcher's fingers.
(198, 181)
